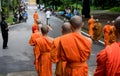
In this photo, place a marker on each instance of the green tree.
(5, 7)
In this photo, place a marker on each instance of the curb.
(89, 36)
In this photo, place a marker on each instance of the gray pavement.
(18, 59)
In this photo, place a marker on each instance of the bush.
(115, 9)
(61, 8)
(10, 19)
(4, 10)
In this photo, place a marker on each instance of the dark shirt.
(4, 26)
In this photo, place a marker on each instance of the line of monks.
(71, 51)
(95, 30)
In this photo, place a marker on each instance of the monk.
(106, 31)
(108, 60)
(35, 26)
(34, 36)
(55, 50)
(112, 37)
(75, 49)
(97, 31)
(91, 22)
(35, 16)
(43, 58)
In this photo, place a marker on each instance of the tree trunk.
(8, 9)
(86, 8)
(76, 3)
(0, 11)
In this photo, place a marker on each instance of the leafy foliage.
(115, 9)
(8, 5)
(105, 4)
(4, 5)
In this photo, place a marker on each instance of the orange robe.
(54, 52)
(35, 16)
(97, 31)
(43, 58)
(106, 31)
(91, 22)
(112, 37)
(60, 66)
(75, 50)
(108, 61)
(34, 36)
(35, 27)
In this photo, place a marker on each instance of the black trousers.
(5, 39)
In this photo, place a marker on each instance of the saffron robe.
(35, 16)
(32, 40)
(60, 66)
(91, 22)
(75, 50)
(97, 31)
(106, 31)
(108, 61)
(43, 58)
(35, 27)
(34, 36)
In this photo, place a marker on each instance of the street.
(18, 58)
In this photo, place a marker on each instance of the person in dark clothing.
(20, 17)
(4, 31)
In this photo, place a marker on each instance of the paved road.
(19, 57)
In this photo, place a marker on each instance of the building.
(32, 2)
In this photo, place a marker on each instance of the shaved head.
(76, 22)
(113, 21)
(118, 18)
(117, 28)
(44, 30)
(117, 22)
(66, 28)
(108, 22)
(91, 16)
(35, 11)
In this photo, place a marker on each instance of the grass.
(1, 75)
(95, 8)
(100, 11)
(115, 9)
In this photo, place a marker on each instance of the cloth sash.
(76, 65)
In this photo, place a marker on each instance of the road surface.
(18, 59)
